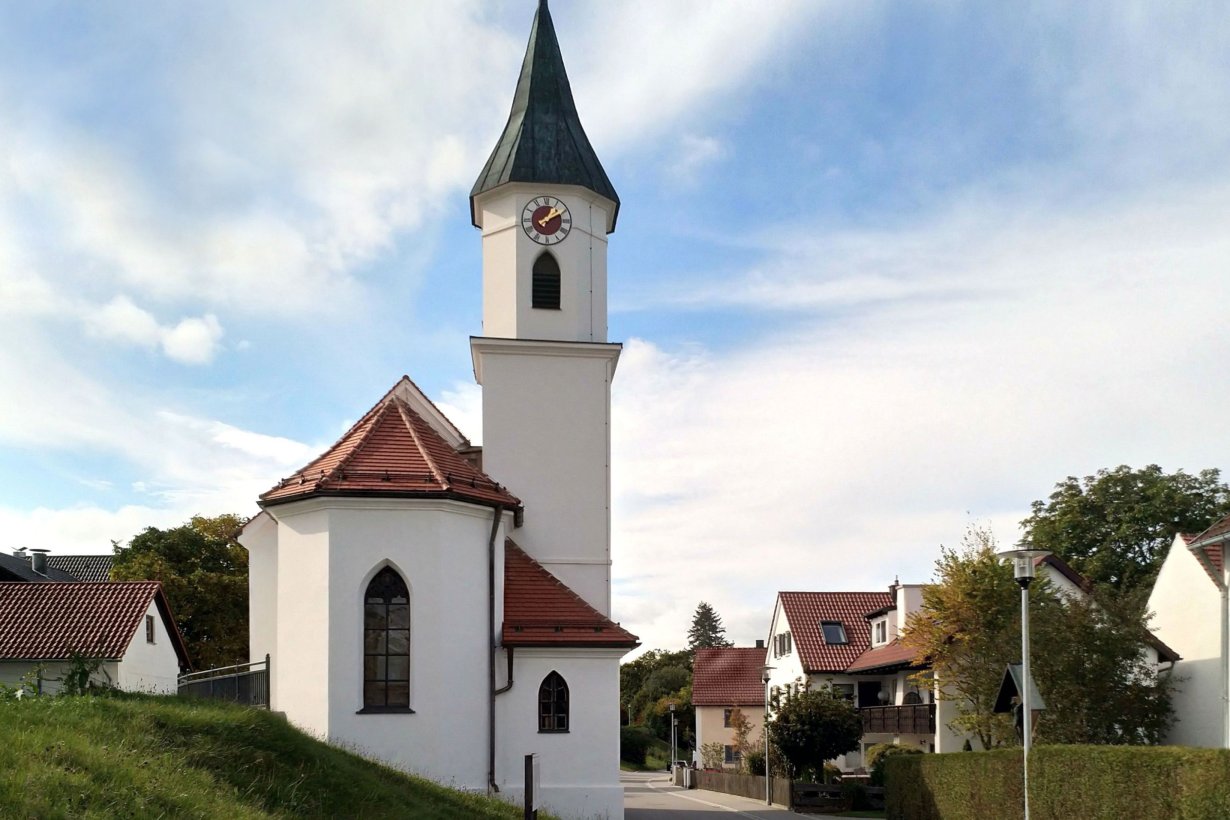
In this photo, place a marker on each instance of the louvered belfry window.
(386, 643)
(544, 286)
(553, 704)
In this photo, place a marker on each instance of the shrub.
(880, 752)
(634, 743)
(855, 794)
(1143, 783)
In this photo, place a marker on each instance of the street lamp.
(1024, 558)
(670, 767)
(764, 730)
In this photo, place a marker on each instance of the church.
(442, 607)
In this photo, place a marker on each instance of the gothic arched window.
(544, 286)
(553, 704)
(386, 643)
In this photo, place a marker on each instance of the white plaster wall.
(546, 436)
(440, 549)
(579, 768)
(260, 538)
(302, 622)
(508, 260)
(150, 667)
(1063, 586)
(1186, 615)
(11, 673)
(788, 668)
(909, 601)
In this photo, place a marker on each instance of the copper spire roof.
(540, 610)
(543, 140)
(397, 450)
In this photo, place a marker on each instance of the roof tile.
(804, 612)
(392, 451)
(540, 610)
(728, 676)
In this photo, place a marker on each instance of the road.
(650, 796)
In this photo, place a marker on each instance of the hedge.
(1086, 782)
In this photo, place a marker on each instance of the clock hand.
(554, 212)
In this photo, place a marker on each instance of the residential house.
(41, 565)
(726, 680)
(128, 626)
(1190, 613)
(850, 642)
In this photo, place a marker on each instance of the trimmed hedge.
(1087, 782)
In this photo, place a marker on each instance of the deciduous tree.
(204, 572)
(1115, 527)
(813, 727)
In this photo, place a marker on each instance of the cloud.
(841, 449)
(693, 155)
(190, 341)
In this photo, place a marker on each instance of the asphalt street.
(651, 796)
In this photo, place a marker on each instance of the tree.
(707, 630)
(634, 673)
(204, 572)
(813, 727)
(742, 729)
(1115, 527)
(1087, 659)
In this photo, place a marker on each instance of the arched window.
(386, 643)
(553, 704)
(544, 287)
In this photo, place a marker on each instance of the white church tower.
(545, 208)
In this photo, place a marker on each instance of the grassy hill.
(133, 756)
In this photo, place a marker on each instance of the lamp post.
(764, 730)
(1023, 559)
(670, 767)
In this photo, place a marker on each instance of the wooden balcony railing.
(918, 719)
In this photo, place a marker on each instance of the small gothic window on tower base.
(544, 287)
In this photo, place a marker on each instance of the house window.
(733, 756)
(881, 631)
(726, 713)
(834, 632)
(782, 644)
(544, 283)
(553, 704)
(149, 628)
(386, 643)
(844, 690)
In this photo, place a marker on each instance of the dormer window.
(544, 285)
(834, 632)
(881, 630)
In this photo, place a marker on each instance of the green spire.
(543, 141)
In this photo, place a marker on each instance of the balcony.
(918, 719)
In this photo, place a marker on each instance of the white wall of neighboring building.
(150, 667)
(579, 769)
(13, 672)
(547, 437)
(260, 538)
(1186, 616)
(787, 668)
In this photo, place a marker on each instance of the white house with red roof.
(725, 679)
(1191, 612)
(125, 625)
(442, 607)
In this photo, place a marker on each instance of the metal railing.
(246, 684)
(915, 719)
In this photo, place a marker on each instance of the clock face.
(546, 220)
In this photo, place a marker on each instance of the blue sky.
(882, 269)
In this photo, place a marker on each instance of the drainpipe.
(492, 788)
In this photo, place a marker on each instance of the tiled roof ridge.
(377, 414)
(404, 409)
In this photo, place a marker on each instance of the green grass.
(135, 756)
(655, 759)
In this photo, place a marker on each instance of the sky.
(882, 270)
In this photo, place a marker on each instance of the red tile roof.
(53, 620)
(540, 610)
(728, 676)
(891, 656)
(394, 451)
(804, 612)
(1212, 543)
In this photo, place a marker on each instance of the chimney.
(38, 561)
(760, 643)
(20, 552)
